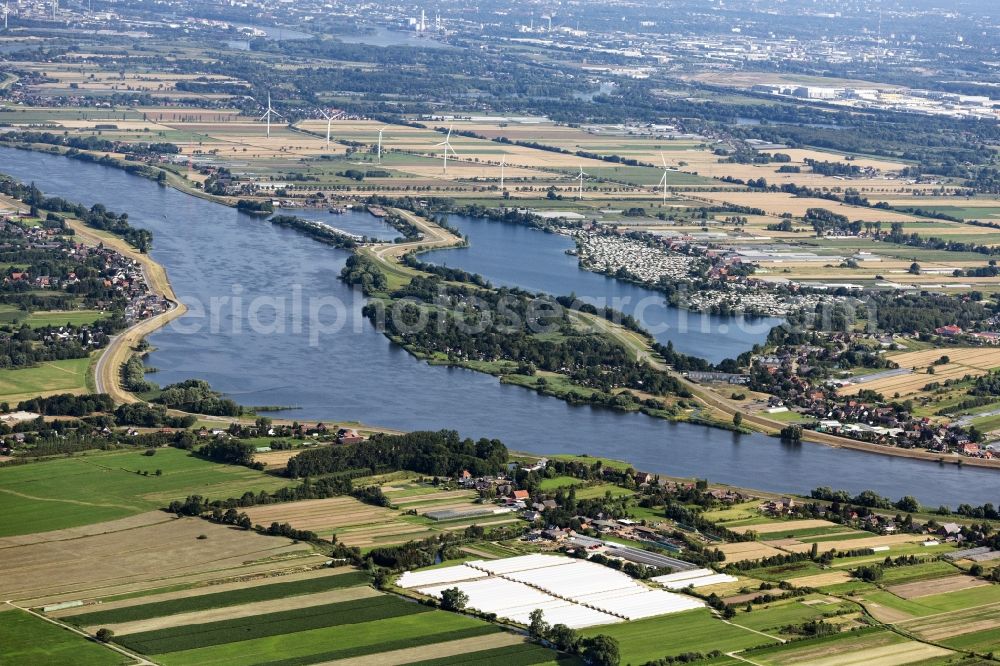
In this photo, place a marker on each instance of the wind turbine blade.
(264, 116)
(664, 160)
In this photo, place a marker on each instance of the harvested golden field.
(978, 358)
(159, 553)
(321, 515)
(800, 155)
(276, 459)
(8, 204)
(776, 203)
(385, 534)
(123, 125)
(861, 652)
(822, 580)
(751, 550)
(435, 496)
(433, 651)
(926, 588)
(851, 544)
(943, 626)
(974, 361)
(886, 614)
(782, 526)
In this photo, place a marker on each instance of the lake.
(513, 255)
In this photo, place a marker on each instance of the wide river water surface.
(236, 272)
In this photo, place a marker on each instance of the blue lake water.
(516, 256)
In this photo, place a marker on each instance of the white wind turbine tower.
(446, 144)
(267, 115)
(6, 13)
(380, 130)
(580, 186)
(503, 163)
(663, 181)
(329, 120)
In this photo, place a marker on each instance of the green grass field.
(965, 212)
(692, 631)
(938, 603)
(837, 643)
(192, 637)
(770, 618)
(60, 318)
(985, 641)
(336, 641)
(26, 639)
(911, 574)
(67, 376)
(96, 487)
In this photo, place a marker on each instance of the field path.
(63, 501)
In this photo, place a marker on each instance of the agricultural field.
(693, 631)
(878, 648)
(749, 550)
(27, 639)
(332, 616)
(366, 526)
(961, 361)
(968, 629)
(95, 487)
(47, 378)
(776, 203)
(61, 318)
(151, 551)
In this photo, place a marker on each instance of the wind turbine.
(6, 13)
(267, 115)
(580, 179)
(503, 163)
(663, 181)
(380, 130)
(446, 144)
(329, 119)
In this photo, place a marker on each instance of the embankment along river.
(343, 368)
